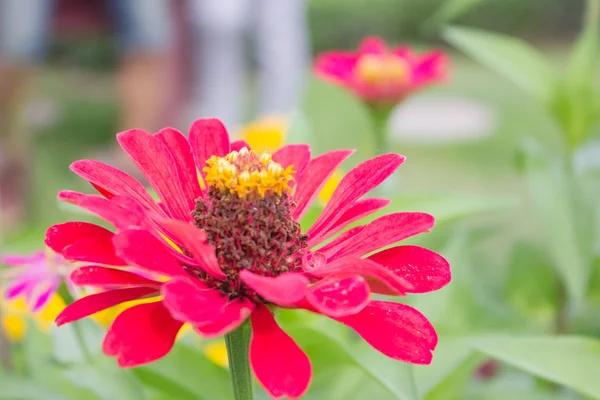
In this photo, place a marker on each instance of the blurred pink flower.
(36, 277)
(380, 75)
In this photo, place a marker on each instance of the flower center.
(382, 69)
(247, 217)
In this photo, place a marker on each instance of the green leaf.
(164, 384)
(449, 11)
(449, 208)
(327, 352)
(512, 58)
(18, 388)
(561, 220)
(570, 361)
(531, 284)
(582, 66)
(192, 372)
(449, 372)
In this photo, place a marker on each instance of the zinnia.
(234, 250)
(379, 75)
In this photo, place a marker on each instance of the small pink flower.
(36, 277)
(380, 75)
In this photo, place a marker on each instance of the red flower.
(380, 75)
(231, 246)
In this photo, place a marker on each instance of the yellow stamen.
(382, 69)
(245, 174)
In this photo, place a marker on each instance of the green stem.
(380, 116)
(77, 328)
(238, 343)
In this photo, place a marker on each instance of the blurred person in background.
(221, 30)
(144, 32)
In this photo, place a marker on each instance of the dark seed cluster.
(256, 234)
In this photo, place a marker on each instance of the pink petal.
(70, 196)
(42, 299)
(180, 149)
(382, 232)
(297, 155)
(358, 182)
(94, 303)
(101, 276)
(208, 137)
(425, 270)
(313, 178)
(431, 67)
(16, 288)
(141, 248)
(62, 235)
(237, 145)
(396, 330)
(234, 313)
(113, 181)
(122, 212)
(375, 274)
(338, 297)
(372, 45)
(284, 290)
(336, 66)
(280, 366)
(194, 240)
(141, 334)
(18, 260)
(154, 159)
(92, 250)
(357, 211)
(190, 303)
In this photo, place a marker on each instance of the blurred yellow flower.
(268, 133)
(217, 353)
(15, 314)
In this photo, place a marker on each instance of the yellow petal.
(217, 353)
(14, 327)
(266, 133)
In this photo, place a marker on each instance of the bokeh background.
(466, 143)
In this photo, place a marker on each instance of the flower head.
(380, 75)
(217, 253)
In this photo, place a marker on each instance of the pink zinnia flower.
(230, 247)
(380, 75)
(35, 277)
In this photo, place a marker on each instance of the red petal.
(359, 210)
(280, 366)
(338, 297)
(336, 66)
(102, 276)
(234, 313)
(190, 303)
(94, 303)
(62, 235)
(194, 240)
(372, 45)
(141, 334)
(114, 181)
(425, 270)
(284, 290)
(182, 155)
(123, 212)
(237, 145)
(381, 232)
(141, 248)
(70, 196)
(374, 273)
(313, 178)
(297, 155)
(92, 250)
(154, 159)
(358, 182)
(208, 137)
(396, 330)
